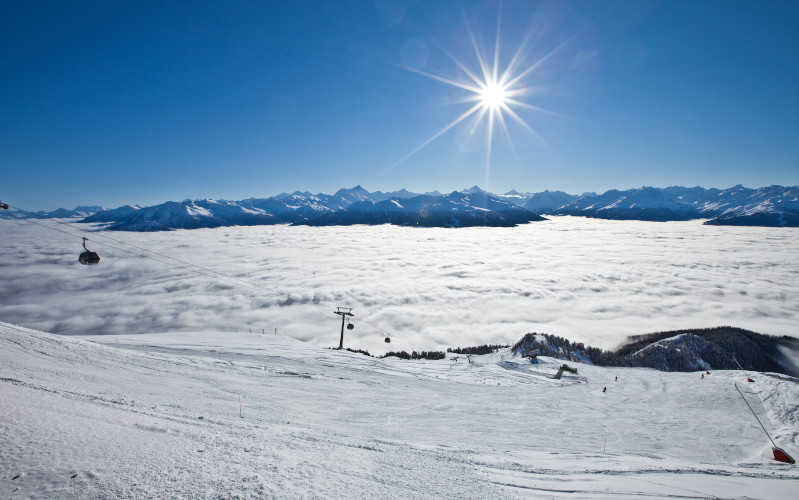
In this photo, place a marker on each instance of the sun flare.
(494, 91)
(493, 95)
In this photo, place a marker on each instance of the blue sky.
(118, 103)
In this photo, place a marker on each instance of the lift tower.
(343, 312)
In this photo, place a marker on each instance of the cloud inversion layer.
(590, 280)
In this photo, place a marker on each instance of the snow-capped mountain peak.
(766, 206)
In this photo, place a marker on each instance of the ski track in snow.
(157, 416)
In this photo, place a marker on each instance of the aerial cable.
(216, 275)
(210, 273)
(71, 225)
(379, 330)
(219, 278)
(187, 266)
(213, 274)
(43, 225)
(41, 204)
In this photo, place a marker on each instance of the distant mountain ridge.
(773, 206)
(457, 209)
(79, 211)
(736, 206)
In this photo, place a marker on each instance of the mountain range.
(773, 206)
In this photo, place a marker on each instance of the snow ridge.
(686, 350)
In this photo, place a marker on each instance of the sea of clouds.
(590, 280)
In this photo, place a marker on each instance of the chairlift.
(88, 257)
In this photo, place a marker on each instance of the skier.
(605, 389)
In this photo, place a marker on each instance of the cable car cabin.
(88, 257)
(388, 340)
(350, 326)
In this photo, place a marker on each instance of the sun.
(493, 95)
(494, 92)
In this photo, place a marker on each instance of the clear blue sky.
(118, 103)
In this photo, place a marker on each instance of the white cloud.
(589, 280)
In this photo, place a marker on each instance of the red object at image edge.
(781, 456)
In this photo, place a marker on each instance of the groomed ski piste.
(245, 415)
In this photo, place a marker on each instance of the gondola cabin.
(88, 257)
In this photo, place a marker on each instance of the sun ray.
(496, 46)
(474, 122)
(545, 58)
(467, 99)
(504, 125)
(495, 90)
(477, 51)
(538, 109)
(463, 68)
(519, 91)
(464, 86)
(435, 136)
(516, 59)
(490, 142)
(524, 124)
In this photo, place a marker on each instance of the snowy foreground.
(158, 416)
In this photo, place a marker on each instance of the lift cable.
(72, 225)
(200, 269)
(188, 266)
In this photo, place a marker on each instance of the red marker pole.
(779, 454)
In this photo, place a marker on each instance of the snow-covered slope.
(259, 416)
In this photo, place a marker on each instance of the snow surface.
(158, 416)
